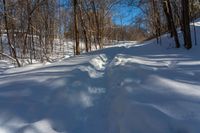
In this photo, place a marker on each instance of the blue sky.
(122, 13)
(125, 15)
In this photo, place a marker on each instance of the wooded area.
(32, 26)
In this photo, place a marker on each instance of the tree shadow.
(66, 97)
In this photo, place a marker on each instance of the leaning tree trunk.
(170, 21)
(186, 24)
(8, 35)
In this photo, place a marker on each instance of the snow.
(4, 65)
(127, 88)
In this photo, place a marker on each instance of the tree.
(186, 24)
(76, 31)
(12, 47)
(156, 18)
(170, 21)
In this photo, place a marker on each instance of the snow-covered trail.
(146, 88)
(112, 93)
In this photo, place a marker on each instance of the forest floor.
(128, 88)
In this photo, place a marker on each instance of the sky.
(123, 14)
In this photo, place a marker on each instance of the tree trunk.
(84, 29)
(8, 35)
(1, 43)
(76, 31)
(156, 20)
(170, 21)
(98, 35)
(186, 24)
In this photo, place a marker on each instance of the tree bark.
(83, 25)
(186, 24)
(76, 31)
(170, 21)
(98, 35)
(8, 35)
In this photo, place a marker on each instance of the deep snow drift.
(143, 88)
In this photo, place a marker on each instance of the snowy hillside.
(144, 88)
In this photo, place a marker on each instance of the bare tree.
(186, 24)
(170, 21)
(76, 31)
(12, 47)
